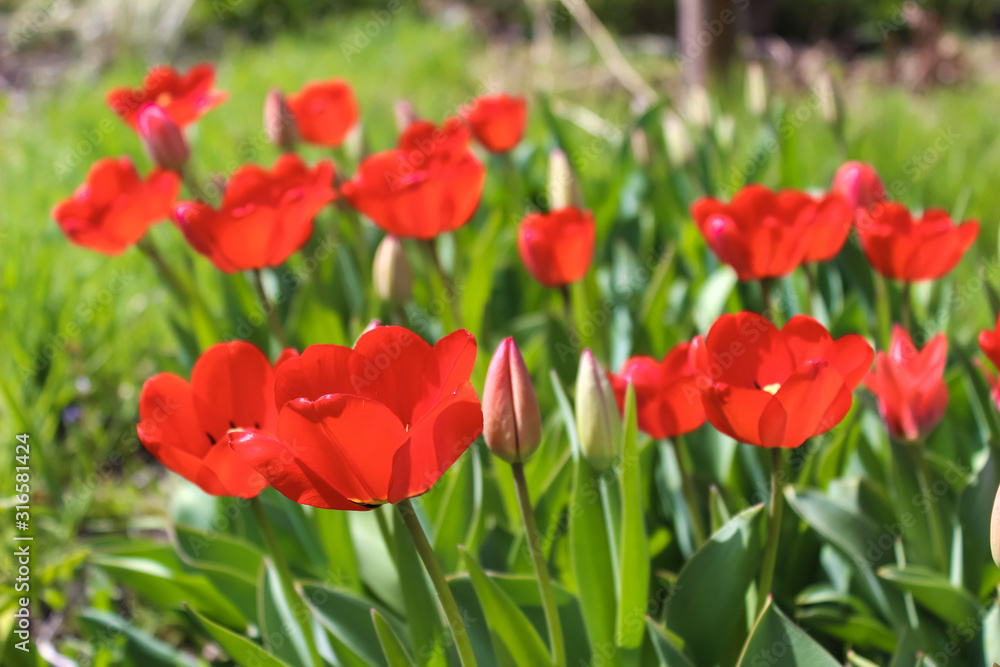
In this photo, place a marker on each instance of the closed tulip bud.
(279, 122)
(391, 271)
(597, 421)
(679, 147)
(563, 189)
(162, 137)
(995, 530)
(512, 424)
(859, 184)
(756, 88)
(405, 114)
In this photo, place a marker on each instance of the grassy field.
(81, 332)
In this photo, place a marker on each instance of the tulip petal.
(232, 387)
(736, 411)
(394, 359)
(799, 409)
(318, 371)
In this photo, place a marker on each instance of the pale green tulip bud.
(597, 421)
(563, 189)
(995, 530)
(391, 271)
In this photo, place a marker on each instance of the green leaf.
(335, 535)
(778, 642)
(666, 650)
(506, 619)
(934, 592)
(243, 651)
(141, 647)
(392, 648)
(725, 565)
(347, 617)
(278, 617)
(420, 602)
(634, 557)
(172, 589)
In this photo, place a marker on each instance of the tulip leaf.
(278, 617)
(347, 617)
(934, 592)
(215, 547)
(708, 598)
(667, 651)
(776, 641)
(243, 651)
(506, 619)
(634, 544)
(392, 647)
(172, 589)
(335, 534)
(141, 648)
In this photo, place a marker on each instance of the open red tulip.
(114, 207)
(909, 385)
(184, 98)
(767, 234)
(557, 247)
(668, 400)
(324, 111)
(497, 121)
(776, 387)
(430, 184)
(265, 215)
(187, 425)
(902, 247)
(859, 184)
(376, 424)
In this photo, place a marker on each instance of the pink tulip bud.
(512, 424)
(405, 114)
(279, 123)
(162, 137)
(859, 184)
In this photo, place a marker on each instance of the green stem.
(773, 530)
(180, 289)
(687, 487)
(567, 304)
(765, 298)
(387, 537)
(433, 567)
(811, 288)
(938, 547)
(906, 307)
(271, 310)
(541, 567)
(285, 575)
(449, 287)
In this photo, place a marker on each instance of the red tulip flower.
(324, 111)
(859, 184)
(766, 234)
(376, 424)
(776, 387)
(989, 341)
(557, 247)
(666, 392)
(497, 121)
(265, 215)
(185, 98)
(163, 138)
(187, 425)
(114, 207)
(430, 184)
(903, 248)
(909, 385)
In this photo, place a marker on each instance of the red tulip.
(666, 392)
(776, 387)
(265, 215)
(903, 248)
(989, 341)
(187, 425)
(163, 138)
(513, 423)
(184, 98)
(324, 111)
(859, 184)
(114, 207)
(909, 385)
(497, 121)
(767, 234)
(377, 424)
(557, 247)
(430, 184)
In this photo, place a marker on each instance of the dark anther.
(256, 425)
(210, 438)
(231, 424)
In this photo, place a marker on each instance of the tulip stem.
(567, 304)
(938, 545)
(285, 576)
(180, 289)
(270, 310)
(811, 288)
(541, 567)
(433, 567)
(773, 530)
(451, 295)
(906, 307)
(765, 298)
(687, 487)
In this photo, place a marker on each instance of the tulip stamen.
(772, 388)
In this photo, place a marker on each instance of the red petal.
(233, 387)
(736, 411)
(801, 407)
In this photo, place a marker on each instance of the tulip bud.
(563, 189)
(995, 530)
(756, 89)
(512, 424)
(597, 421)
(279, 122)
(405, 114)
(391, 270)
(162, 137)
(859, 184)
(679, 147)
